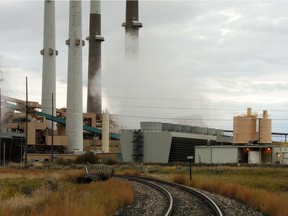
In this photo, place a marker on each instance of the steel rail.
(156, 187)
(202, 196)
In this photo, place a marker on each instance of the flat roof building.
(158, 142)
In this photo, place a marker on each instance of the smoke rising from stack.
(138, 71)
(1, 77)
(138, 92)
(94, 94)
(132, 26)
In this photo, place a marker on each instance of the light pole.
(26, 123)
(52, 137)
(4, 154)
(0, 120)
(21, 156)
(1, 79)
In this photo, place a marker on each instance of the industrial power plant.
(43, 132)
(249, 142)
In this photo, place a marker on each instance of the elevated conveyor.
(13, 103)
(85, 127)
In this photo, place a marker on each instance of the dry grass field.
(50, 191)
(263, 188)
(53, 192)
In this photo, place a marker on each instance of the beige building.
(252, 128)
(39, 136)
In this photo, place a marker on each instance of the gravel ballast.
(149, 202)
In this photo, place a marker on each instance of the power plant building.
(252, 143)
(154, 142)
(158, 142)
(39, 138)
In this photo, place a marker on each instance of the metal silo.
(265, 128)
(244, 128)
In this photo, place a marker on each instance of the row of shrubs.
(87, 158)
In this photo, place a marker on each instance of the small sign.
(190, 157)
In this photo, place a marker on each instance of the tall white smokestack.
(49, 60)
(74, 115)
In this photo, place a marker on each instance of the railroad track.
(180, 200)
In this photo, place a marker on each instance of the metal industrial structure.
(137, 146)
(76, 132)
(251, 128)
(252, 143)
(158, 142)
(39, 137)
(30, 124)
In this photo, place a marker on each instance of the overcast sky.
(206, 60)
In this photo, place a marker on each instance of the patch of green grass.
(11, 187)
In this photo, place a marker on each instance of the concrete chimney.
(132, 26)
(265, 114)
(249, 111)
(105, 131)
(94, 95)
(74, 115)
(49, 60)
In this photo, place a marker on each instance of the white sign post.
(190, 158)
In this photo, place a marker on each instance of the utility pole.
(4, 152)
(52, 137)
(26, 129)
(1, 79)
(21, 158)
